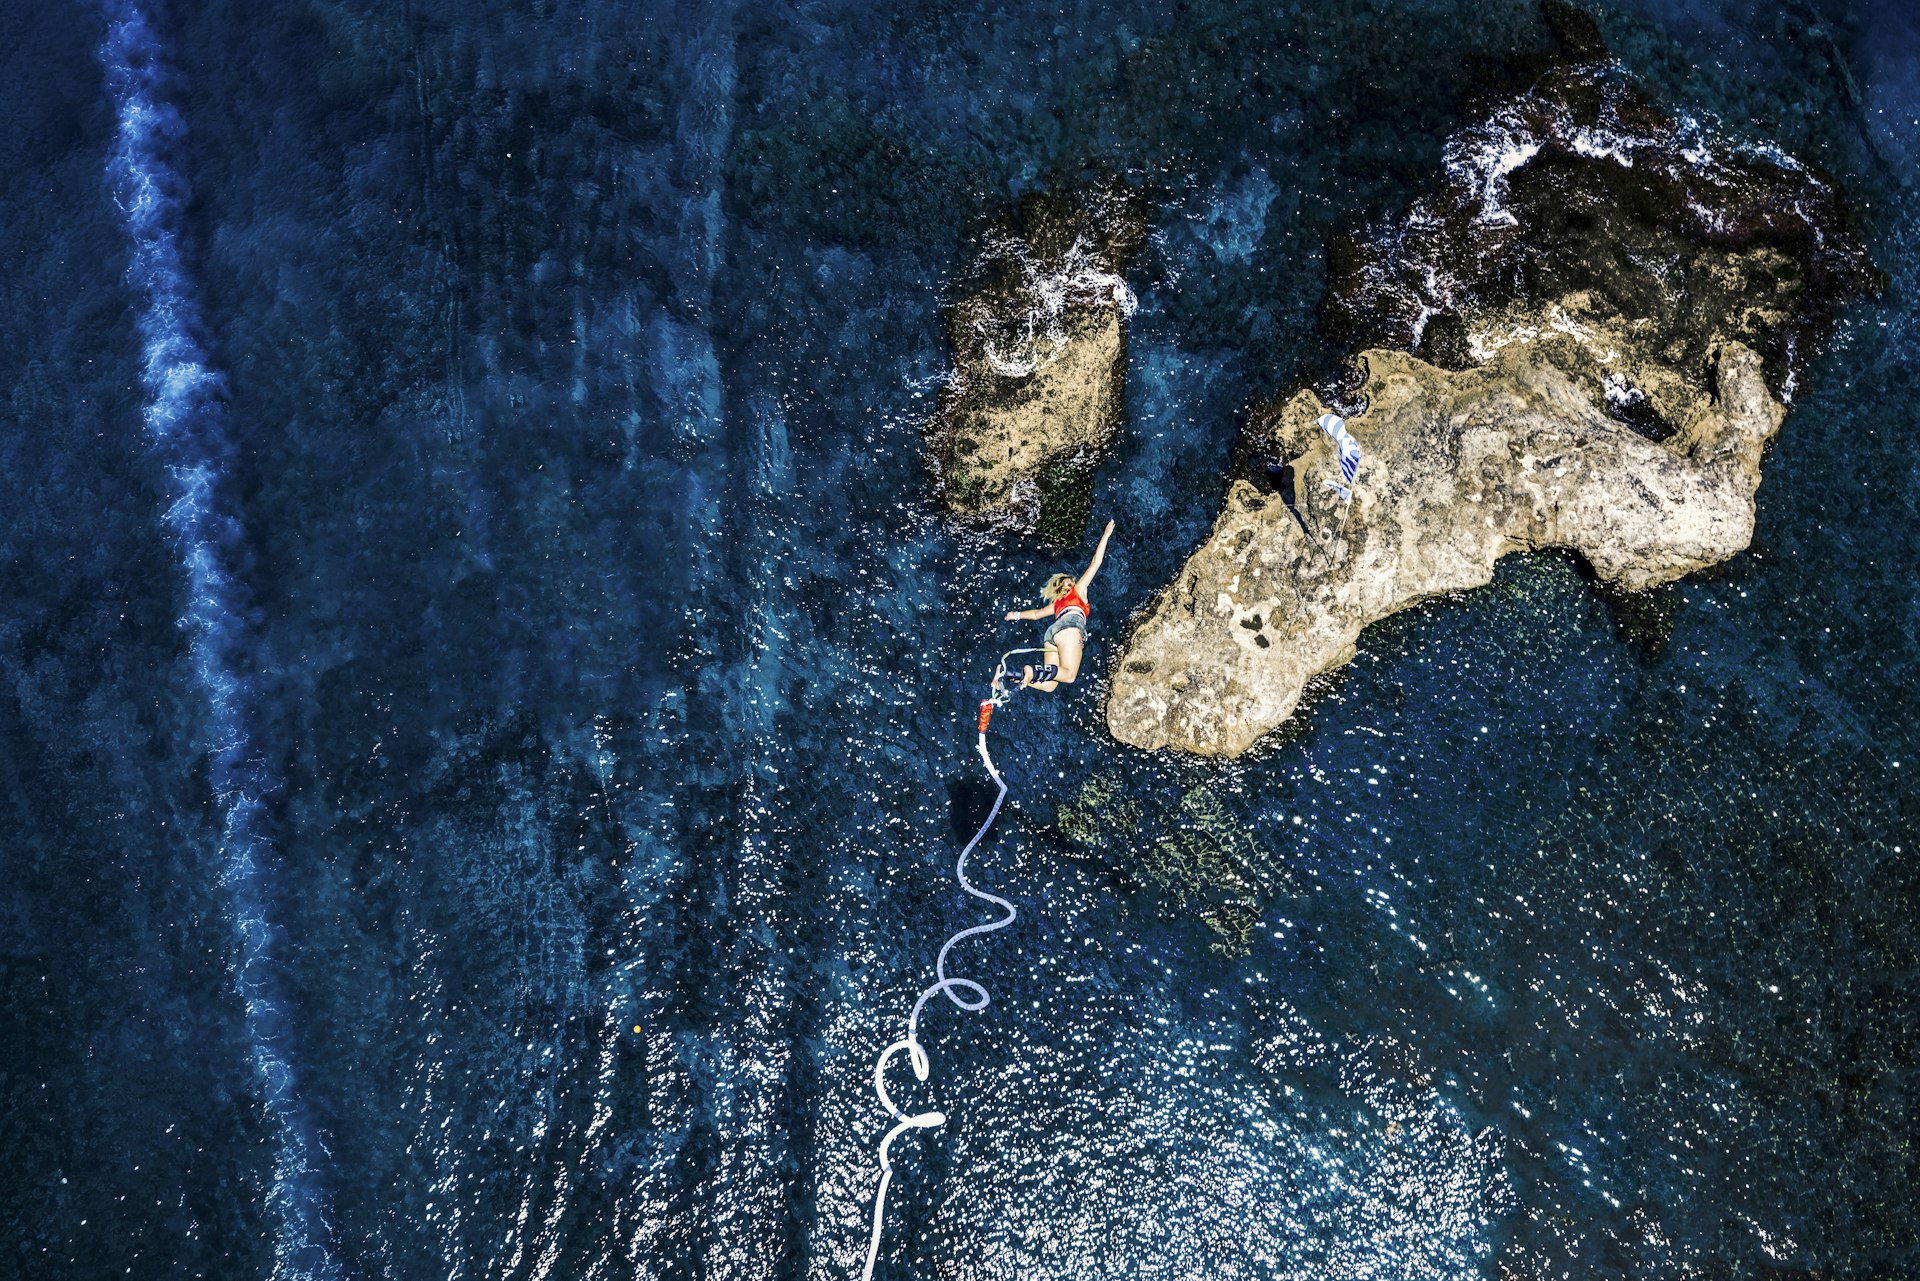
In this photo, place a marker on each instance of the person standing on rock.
(1066, 638)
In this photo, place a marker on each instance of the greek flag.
(1336, 426)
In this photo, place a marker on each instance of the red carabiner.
(986, 714)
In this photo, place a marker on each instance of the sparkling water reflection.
(621, 684)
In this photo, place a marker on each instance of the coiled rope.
(965, 993)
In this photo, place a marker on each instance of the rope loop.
(964, 993)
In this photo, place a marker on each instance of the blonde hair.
(1057, 586)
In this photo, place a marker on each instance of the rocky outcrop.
(1581, 191)
(1039, 347)
(1584, 340)
(1460, 469)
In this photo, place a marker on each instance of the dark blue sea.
(486, 699)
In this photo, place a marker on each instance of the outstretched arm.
(1029, 615)
(1093, 566)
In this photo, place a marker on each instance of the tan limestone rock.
(1459, 468)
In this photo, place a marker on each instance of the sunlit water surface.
(614, 686)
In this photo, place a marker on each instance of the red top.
(1072, 600)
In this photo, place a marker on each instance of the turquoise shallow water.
(600, 666)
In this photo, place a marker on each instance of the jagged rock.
(1039, 365)
(1584, 340)
(1582, 192)
(1461, 467)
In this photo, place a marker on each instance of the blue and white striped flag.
(1336, 426)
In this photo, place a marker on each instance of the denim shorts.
(1069, 617)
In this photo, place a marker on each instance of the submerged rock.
(1196, 852)
(1039, 350)
(1584, 341)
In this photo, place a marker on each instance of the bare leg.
(1071, 645)
(1065, 651)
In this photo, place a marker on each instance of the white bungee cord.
(965, 993)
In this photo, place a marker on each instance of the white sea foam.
(1605, 144)
(182, 416)
(1485, 343)
(1484, 157)
(1079, 280)
(1690, 136)
(1622, 396)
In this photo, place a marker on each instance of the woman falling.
(1066, 638)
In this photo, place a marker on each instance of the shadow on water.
(969, 801)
